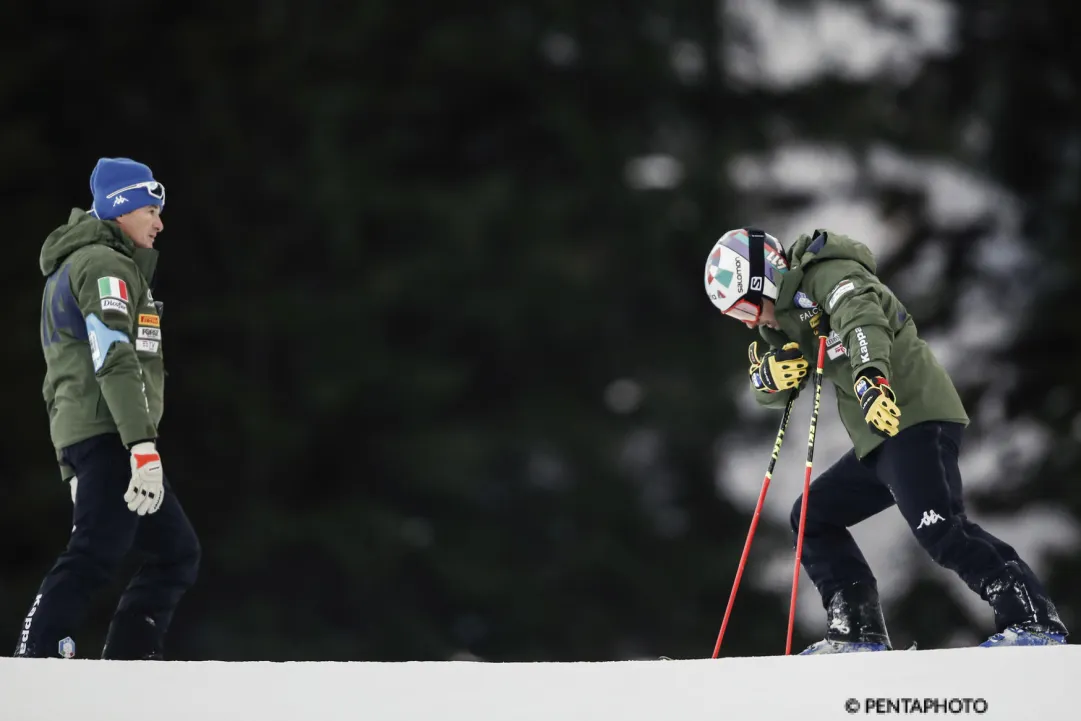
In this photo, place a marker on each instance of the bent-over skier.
(903, 415)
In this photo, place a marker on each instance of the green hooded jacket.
(831, 283)
(100, 335)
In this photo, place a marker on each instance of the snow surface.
(1015, 684)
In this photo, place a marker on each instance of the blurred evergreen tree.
(443, 379)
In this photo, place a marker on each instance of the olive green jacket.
(831, 286)
(100, 335)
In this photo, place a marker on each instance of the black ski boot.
(133, 637)
(1024, 615)
(854, 623)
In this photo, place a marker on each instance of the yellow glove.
(878, 402)
(776, 370)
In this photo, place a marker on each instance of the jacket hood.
(82, 229)
(820, 245)
(826, 245)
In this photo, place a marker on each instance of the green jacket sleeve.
(107, 287)
(854, 300)
(771, 400)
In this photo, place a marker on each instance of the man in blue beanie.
(101, 336)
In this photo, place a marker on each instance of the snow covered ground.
(1008, 684)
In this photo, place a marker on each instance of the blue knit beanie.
(121, 185)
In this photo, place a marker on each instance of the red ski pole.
(806, 489)
(754, 519)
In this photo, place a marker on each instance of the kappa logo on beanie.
(121, 185)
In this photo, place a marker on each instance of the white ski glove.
(145, 492)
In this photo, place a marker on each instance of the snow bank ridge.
(1011, 684)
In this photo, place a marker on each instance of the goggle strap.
(756, 251)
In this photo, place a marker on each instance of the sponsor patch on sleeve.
(803, 300)
(146, 346)
(838, 292)
(149, 333)
(149, 319)
(114, 304)
(834, 347)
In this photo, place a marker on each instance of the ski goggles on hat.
(744, 311)
(155, 189)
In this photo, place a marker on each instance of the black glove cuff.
(872, 372)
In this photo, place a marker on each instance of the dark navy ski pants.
(104, 532)
(916, 470)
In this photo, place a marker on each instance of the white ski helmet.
(744, 266)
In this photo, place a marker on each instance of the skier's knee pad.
(793, 518)
(942, 540)
(189, 555)
(97, 557)
(815, 517)
(178, 560)
(813, 520)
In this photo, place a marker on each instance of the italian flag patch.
(110, 287)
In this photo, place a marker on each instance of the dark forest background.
(418, 309)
